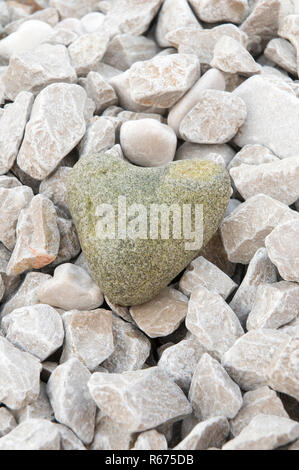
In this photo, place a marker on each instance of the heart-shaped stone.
(115, 207)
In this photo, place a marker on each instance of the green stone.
(133, 271)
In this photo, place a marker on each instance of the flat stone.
(20, 373)
(162, 315)
(212, 321)
(248, 361)
(99, 90)
(52, 131)
(73, 8)
(54, 187)
(71, 287)
(36, 329)
(7, 421)
(212, 79)
(33, 434)
(282, 53)
(38, 409)
(271, 117)
(70, 399)
(150, 440)
(252, 155)
(69, 246)
(245, 229)
(148, 142)
(92, 21)
(260, 270)
(282, 244)
(265, 432)
(209, 433)
(161, 81)
(34, 70)
(13, 122)
(144, 399)
(87, 51)
(189, 151)
(38, 237)
(99, 136)
(110, 435)
(131, 348)
(283, 371)
(88, 336)
(201, 272)
(212, 11)
(263, 400)
(215, 119)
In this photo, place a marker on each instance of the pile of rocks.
(212, 361)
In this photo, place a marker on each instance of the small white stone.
(47, 15)
(99, 90)
(253, 155)
(148, 142)
(74, 8)
(71, 24)
(110, 435)
(99, 136)
(87, 51)
(150, 440)
(7, 421)
(69, 440)
(283, 54)
(69, 246)
(210, 433)
(92, 22)
(188, 151)
(33, 434)
(70, 399)
(212, 11)
(38, 409)
(283, 372)
(54, 187)
(71, 288)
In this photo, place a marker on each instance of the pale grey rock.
(282, 53)
(71, 287)
(189, 151)
(110, 435)
(54, 187)
(119, 310)
(52, 131)
(150, 440)
(213, 11)
(253, 155)
(99, 90)
(71, 24)
(69, 246)
(126, 49)
(88, 50)
(210, 433)
(107, 72)
(92, 22)
(64, 37)
(47, 15)
(33, 434)
(72, 404)
(283, 373)
(38, 409)
(73, 8)
(7, 421)
(68, 439)
(232, 205)
(99, 136)
(141, 399)
(20, 373)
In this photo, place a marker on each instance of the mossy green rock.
(132, 271)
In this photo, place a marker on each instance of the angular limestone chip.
(210, 433)
(54, 187)
(33, 434)
(38, 409)
(119, 310)
(69, 246)
(71, 288)
(215, 119)
(73, 8)
(283, 374)
(19, 373)
(262, 400)
(162, 315)
(215, 252)
(150, 440)
(52, 131)
(212, 321)
(212, 392)
(253, 155)
(70, 399)
(38, 237)
(201, 272)
(212, 11)
(282, 53)
(7, 421)
(283, 245)
(69, 440)
(292, 328)
(125, 49)
(99, 136)
(33, 70)
(162, 80)
(99, 90)
(87, 51)
(265, 432)
(141, 399)
(47, 15)
(110, 435)
(245, 229)
(13, 121)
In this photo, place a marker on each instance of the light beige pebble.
(260, 270)
(148, 142)
(33, 434)
(150, 440)
(245, 229)
(47, 15)
(283, 54)
(215, 119)
(38, 237)
(27, 293)
(163, 80)
(209, 433)
(292, 328)
(110, 435)
(61, 36)
(68, 439)
(88, 336)
(278, 179)
(231, 57)
(92, 22)
(12, 201)
(126, 49)
(69, 246)
(13, 122)
(189, 151)
(201, 272)
(289, 29)
(71, 287)
(265, 432)
(262, 400)
(70, 399)
(248, 361)
(283, 248)
(212, 321)
(99, 90)
(71, 24)
(107, 72)
(87, 51)
(253, 155)
(144, 399)
(174, 14)
(271, 117)
(7, 421)
(180, 360)
(9, 181)
(54, 187)
(212, 392)
(74, 8)
(99, 136)
(201, 42)
(275, 305)
(283, 373)
(36, 329)
(131, 347)
(38, 409)
(4, 14)
(162, 315)
(17, 11)
(213, 11)
(20, 373)
(212, 79)
(119, 310)
(30, 71)
(52, 131)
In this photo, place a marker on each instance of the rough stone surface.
(87, 51)
(7, 421)
(99, 90)
(252, 155)
(73, 8)
(282, 53)
(231, 57)
(212, 11)
(188, 151)
(69, 246)
(283, 374)
(150, 440)
(110, 435)
(54, 187)
(99, 136)
(38, 409)
(33, 434)
(210, 433)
